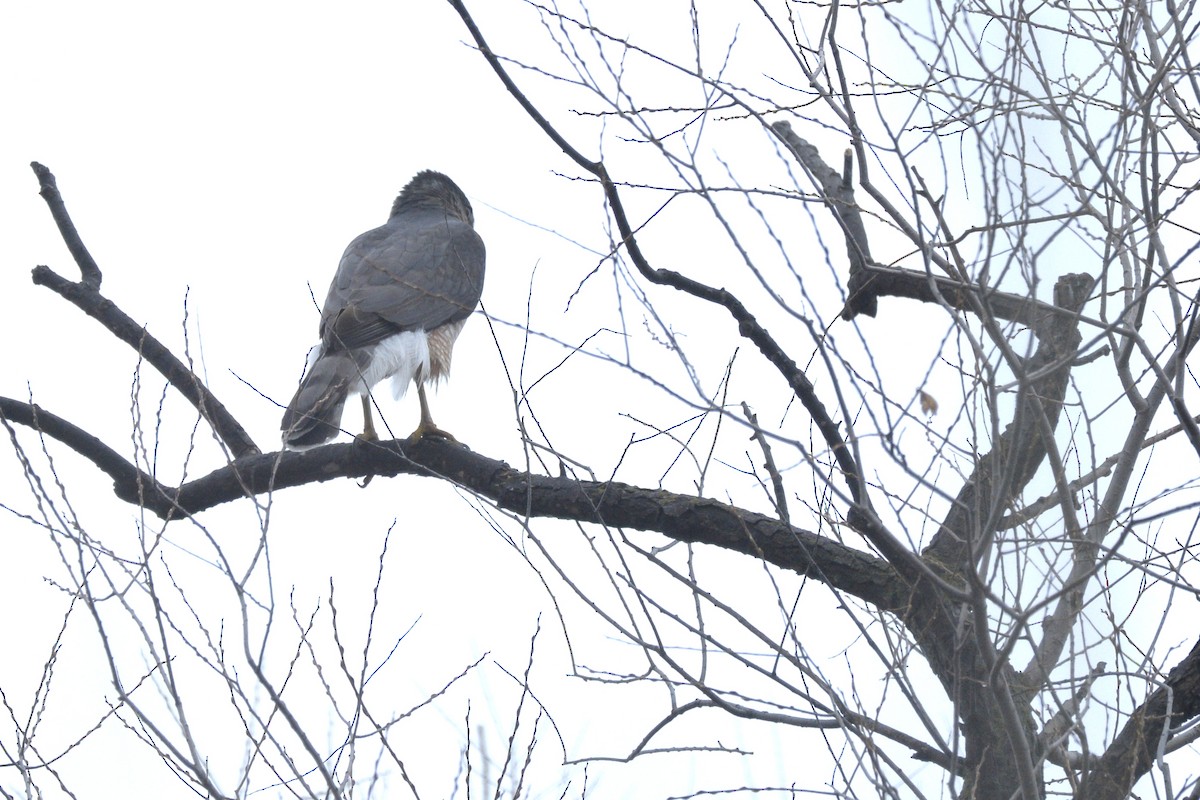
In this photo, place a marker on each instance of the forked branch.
(85, 295)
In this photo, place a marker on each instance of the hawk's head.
(429, 189)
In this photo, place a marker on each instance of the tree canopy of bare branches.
(916, 289)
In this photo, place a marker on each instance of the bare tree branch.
(88, 268)
(1145, 734)
(85, 295)
(838, 191)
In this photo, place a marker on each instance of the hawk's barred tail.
(313, 415)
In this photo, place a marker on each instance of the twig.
(781, 506)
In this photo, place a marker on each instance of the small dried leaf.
(928, 404)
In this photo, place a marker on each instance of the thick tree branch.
(126, 477)
(869, 281)
(682, 517)
(1136, 747)
(85, 295)
(88, 268)
(899, 282)
(1000, 736)
(685, 518)
(838, 191)
(1002, 473)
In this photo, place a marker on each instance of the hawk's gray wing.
(421, 270)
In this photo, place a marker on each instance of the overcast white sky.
(226, 154)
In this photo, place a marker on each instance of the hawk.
(402, 293)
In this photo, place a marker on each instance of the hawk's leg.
(426, 428)
(368, 433)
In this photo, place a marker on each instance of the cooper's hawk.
(401, 295)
